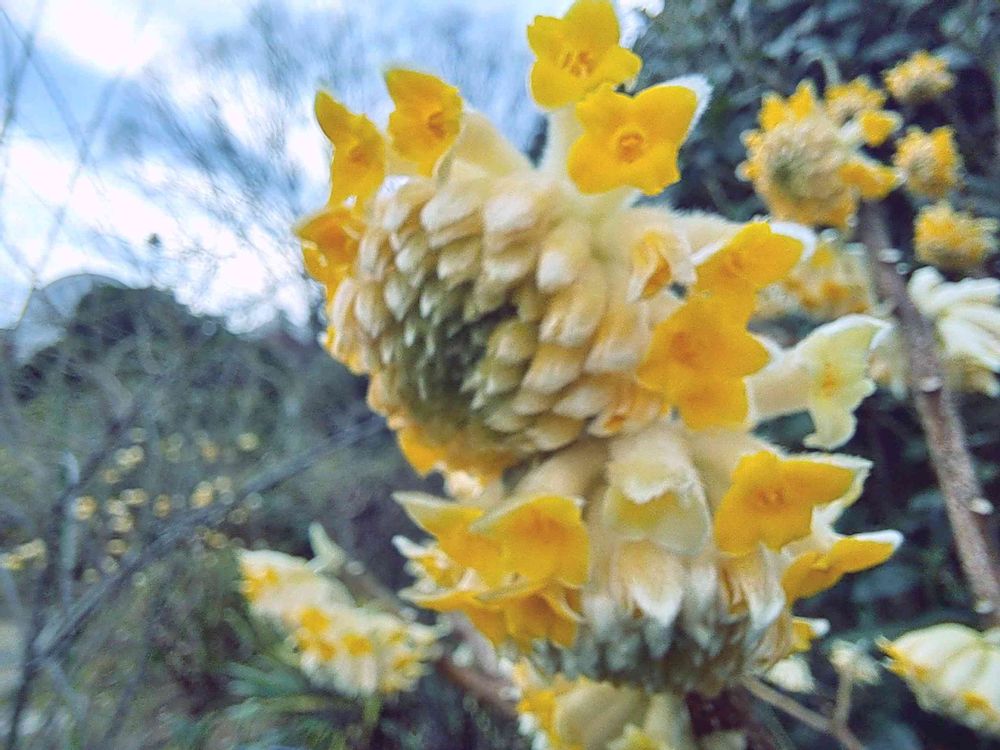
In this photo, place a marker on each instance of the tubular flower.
(427, 117)
(771, 500)
(966, 317)
(354, 650)
(929, 162)
(358, 166)
(806, 162)
(330, 245)
(814, 570)
(826, 374)
(953, 240)
(832, 282)
(631, 142)
(952, 670)
(517, 568)
(577, 53)
(920, 78)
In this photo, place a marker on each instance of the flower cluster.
(354, 650)
(929, 162)
(953, 670)
(586, 374)
(953, 240)
(920, 78)
(806, 159)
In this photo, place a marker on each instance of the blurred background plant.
(142, 444)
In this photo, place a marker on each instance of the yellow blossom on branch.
(954, 240)
(771, 500)
(358, 166)
(577, 53)
(920, 78)
(877, 126)
(427, 117)
(630, 141)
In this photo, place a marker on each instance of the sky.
(96, 171)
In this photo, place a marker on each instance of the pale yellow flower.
(826, 374)
(953, 670)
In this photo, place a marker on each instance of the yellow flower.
(952, 670)
(697, 361)
(577, 53)
(358, 150)
(771, 500)
(631, 141)
(954, 240)
(752, 259)
(920, 78)
(805, 631)
(330, 244)
(929, 162)
(877, 125)
(814, 571)
(846, 100)
(541, 538)
(872, 180)
(526, 558)
(427, 117)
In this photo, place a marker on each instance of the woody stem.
(972, 522)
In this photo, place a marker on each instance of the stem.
(963, 495)
(812, 719)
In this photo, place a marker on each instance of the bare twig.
(974, 533)
(812, 719)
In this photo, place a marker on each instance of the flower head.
(631, 141)
(427, 117)
(929, 162)
(847, 100)
(953, 670)
(954, 240)
(805, 159)
(577, 53)
(920, 78)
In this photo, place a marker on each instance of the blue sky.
(104, 70)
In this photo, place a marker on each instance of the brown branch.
(972, 529)
(812, 719)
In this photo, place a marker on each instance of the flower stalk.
(972, 520)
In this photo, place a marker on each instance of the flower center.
(630, 145)
(578, 63)
(435, 124)
(769, 499)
